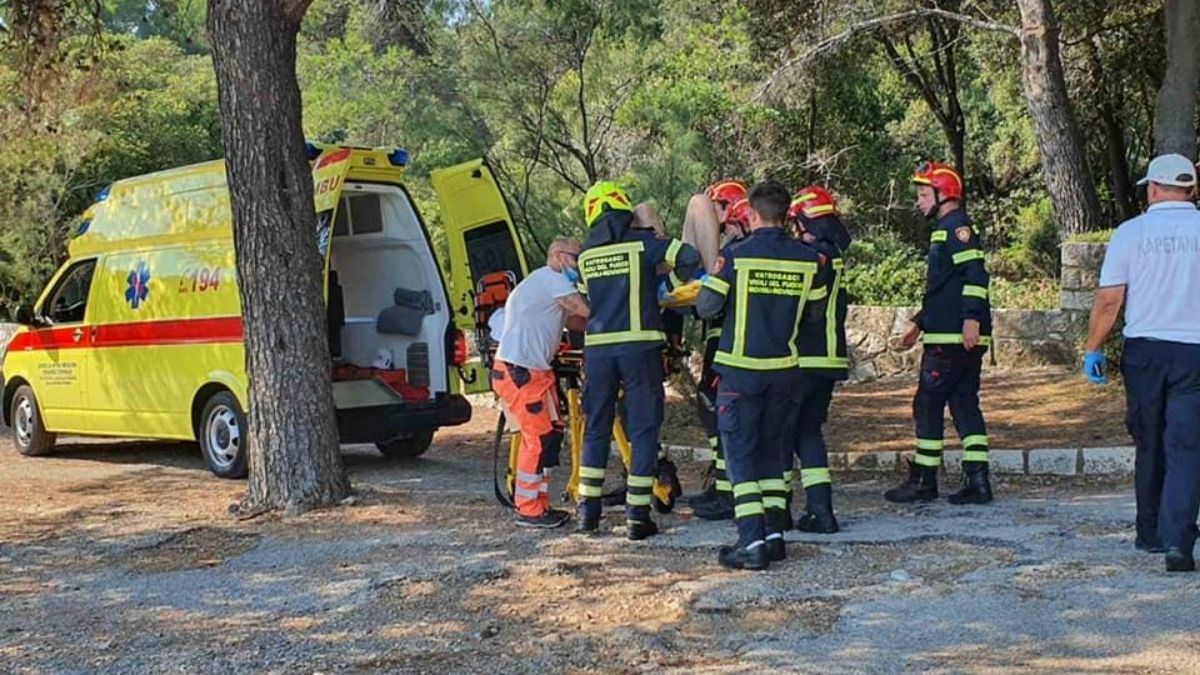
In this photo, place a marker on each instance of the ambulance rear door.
(482, 240)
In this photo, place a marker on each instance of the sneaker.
(548, 520)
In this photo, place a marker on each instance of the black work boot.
(1179, 560)
(588, 521)
(776, 548)
(921, 485)
(739, 558)
(640, 529)
(818, 511)
(720, 508)
(977, 489)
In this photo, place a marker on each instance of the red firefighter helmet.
(727, 191)
(942, 178)
(739, 214)
(812, 202)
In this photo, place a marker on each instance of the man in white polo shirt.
(524, 378)
(1153, 267)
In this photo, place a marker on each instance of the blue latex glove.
(1093, 368)
(663, 291)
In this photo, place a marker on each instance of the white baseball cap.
(1170, 169)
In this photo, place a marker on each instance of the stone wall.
(1080, 275)
(1022, 337)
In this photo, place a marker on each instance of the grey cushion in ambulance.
(405, 317)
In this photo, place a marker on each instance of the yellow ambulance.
(139, 333)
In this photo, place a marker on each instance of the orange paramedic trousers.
(531, 400)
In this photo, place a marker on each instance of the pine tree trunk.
(1064, 163)
(1175, 110)
(295, 462)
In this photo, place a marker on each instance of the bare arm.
(575, 305)
(1105, 308)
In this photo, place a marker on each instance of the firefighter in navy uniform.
(719, 505)
(720, 199)
(761, 284)
(956, 320)
(623, 349)
(821, 344)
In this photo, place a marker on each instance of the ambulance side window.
(67, 303)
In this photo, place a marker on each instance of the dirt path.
(121, 558)
(1028, 409)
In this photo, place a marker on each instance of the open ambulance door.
(352, 398)
(482, 242)
(329, 177)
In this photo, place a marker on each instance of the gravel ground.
(121, 558)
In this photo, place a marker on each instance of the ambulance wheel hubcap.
(224, 436)
(24, 421)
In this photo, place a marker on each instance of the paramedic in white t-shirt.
(534, 317)
(1152, 266)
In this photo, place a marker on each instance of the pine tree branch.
(835, 42)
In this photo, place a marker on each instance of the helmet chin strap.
(932, 213)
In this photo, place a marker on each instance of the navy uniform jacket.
(762, 285)
(821, 341)
(957, 284)
(618, 266)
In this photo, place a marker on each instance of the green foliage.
(145, 106)
(1097, 237)
(1033, 251)
(1035, 293)
(884, 271)
(662, 95)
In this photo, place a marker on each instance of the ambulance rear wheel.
(407, 447)
(223, 436)
(29, 433)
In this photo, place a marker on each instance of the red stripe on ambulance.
(140, 334)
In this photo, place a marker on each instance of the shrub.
(884, 271)
(1097, 237)
(1024, 293)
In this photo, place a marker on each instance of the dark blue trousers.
(1162, 391)
(756, 415)
(815, 393)
(949, 375)
(640, 375)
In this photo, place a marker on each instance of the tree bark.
(1064, 163)
(295, 461)
(1107, 102)
(1175, 110)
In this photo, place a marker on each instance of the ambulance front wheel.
(29, 433)
(223, 436)
(407, 447)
